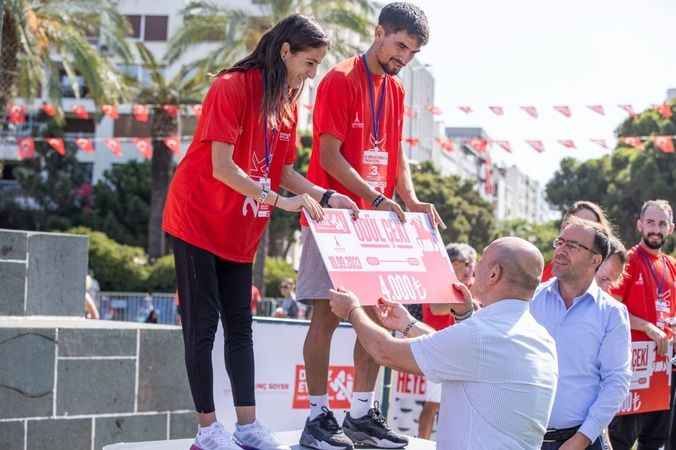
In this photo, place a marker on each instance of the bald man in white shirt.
(498, 369)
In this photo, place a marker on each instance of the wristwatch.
(324, 202)
(265, 191)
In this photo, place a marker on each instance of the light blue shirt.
(593, 344)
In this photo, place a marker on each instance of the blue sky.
(544, 53)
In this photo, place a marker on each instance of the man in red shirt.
(356, 151)
(440, 316)
(647, 289)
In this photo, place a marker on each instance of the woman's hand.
(299, 202)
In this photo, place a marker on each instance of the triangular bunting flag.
(497, 110)
(568, 143)
(114, 146)
(531, 111)
(25, 148)
(597, 109)
(465, 109)
(565, 110)
(144, 147)
(110, 111)
(57, 144)
(505, 145)
(17, 114)
(537, 145)
(628, 109)
(664, 143)
(600, 142)
(49, 109)
(412, 141)
(85, 145)
(478, 144)
(174, 144)
(633, 141)
(80, 112)
(665, 110)
(172, 110)
(140, 112)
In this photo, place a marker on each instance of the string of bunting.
(16, 113)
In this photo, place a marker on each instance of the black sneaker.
(372, 431)
(324, 433)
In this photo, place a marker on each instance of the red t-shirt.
(637, 288)
(204, 211)
(438, 322)
(547, 273)
(343, 109)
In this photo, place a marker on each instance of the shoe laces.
(328, 420)
(264, 434)
(218, 435)
(375, 415)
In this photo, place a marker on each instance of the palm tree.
(235, 32)
(162, 92)
(39, 37)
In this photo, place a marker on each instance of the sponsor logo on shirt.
(639, 281)
(284, 137)
(357, 123)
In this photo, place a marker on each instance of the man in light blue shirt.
(592, 336)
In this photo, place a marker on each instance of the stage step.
(287, 437)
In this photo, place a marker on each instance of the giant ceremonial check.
(377, 256)
(650, 388)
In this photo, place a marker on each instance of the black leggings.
(209, 286)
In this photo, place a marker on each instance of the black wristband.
(324, 202)
(378, 200)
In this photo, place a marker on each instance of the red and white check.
(378, 256)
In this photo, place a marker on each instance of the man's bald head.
(509, 268)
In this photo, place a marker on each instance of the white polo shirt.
(498, 371)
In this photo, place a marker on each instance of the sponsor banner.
(377, 255)
(406, 401)
(650, 388)
(282, 400)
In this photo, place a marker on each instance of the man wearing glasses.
(591, 331)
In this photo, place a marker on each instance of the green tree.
(469, 218)
(40, 38)
(162, 92)
(235, 32)
(541, 235)
(620, 182)
(122, 203)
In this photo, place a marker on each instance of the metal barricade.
(136, 306)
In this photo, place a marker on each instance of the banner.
(378, 256)
(281, 388)
(406, 401)
(650, 381)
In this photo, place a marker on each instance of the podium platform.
(287, 437)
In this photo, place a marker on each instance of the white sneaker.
(214, 437)
(255, 436)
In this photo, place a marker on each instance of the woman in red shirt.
(219, 203)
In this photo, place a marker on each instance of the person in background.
(91, 291)
(648, 290)
(289, 302)
(440, 316)
(255, 299)
(152, 316)
(591, 331)
(582, 210)
(610, 271)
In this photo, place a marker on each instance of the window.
(135, 22)
(127, 126)
(156, 28)
(80, 127)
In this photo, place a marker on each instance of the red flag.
(497, 110)
(568, 143)
(633, 142)
(505, 145)
(172, 110)
(17, 114)
(49, 109)
(140, 112)
(435, 110)
(531, 111)
(114, 146)
(412, 141)
(110, 111)
(445, 143)
(664, 143)
(57, 144)
(629, 109)
(174, 144)
(465, 109)
(597, 109)
(479, 144)
(565, 110)
(197, 110)
(25, 148)
(144, 146)
(85, 145)
(665, 111)
(600, 142)
(538, 146)
(80, 112)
